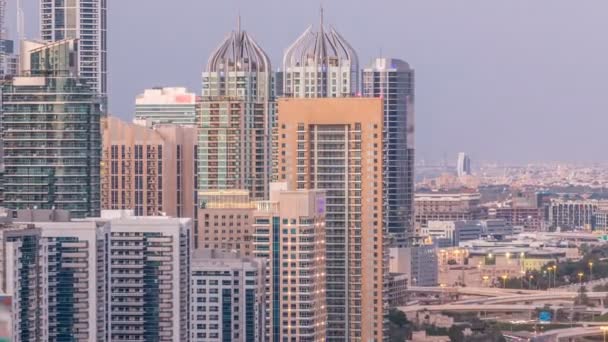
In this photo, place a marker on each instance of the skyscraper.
(84, 20)
(103, 279)
(150, 170)
(166, 106)
(393, 81)
(320, 64)
(463, 167)
(337, 145)
(236, 113)
(51, 134)
(149, 279)
(288, 231)
(56, 271)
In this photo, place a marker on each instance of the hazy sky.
(511, 80)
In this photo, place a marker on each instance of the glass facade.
(85, 20)
(393, 81)
(52, 145)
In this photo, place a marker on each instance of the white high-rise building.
(103, 279)
(148, 279)
(55, 272)
(320, 64)
(226, 297)
(85, 20)
(463, 167)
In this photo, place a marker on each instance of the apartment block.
(226, 221)
(50, 133)
(288, 231)
(227, 297)
(150, 170)
(148, 276)
(446, 206)
(56, 274)
(337, 145)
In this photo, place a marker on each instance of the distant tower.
(393, 81)
(235, 118)
(320, 64)
(85, 20)
(463, 168)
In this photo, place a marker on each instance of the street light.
(504, 280)
(580, 277)
(554, 275)
(590, 270)
(485, 279)
(530, 282)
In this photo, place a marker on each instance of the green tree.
(455, 334)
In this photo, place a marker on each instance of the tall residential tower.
(86, 21)
(337, 145)
(393, 81)
(51, 134)
(235, 118)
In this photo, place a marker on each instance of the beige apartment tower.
(148, 170)
(288, 231)
(337, 145)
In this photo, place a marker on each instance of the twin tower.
(329, 142)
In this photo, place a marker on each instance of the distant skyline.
(512, 81)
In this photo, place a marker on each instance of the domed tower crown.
(238, 68)
(328, 56)
(239, 52)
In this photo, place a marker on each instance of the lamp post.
(530, 282)
(485, 279)
(504, 281)
(580, 278)
(554, 275)
(590, 270)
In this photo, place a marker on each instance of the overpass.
(470, 291)
(543, 297)
(569, 334)
(486, 308)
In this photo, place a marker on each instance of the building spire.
(238, 23)
(321, 21)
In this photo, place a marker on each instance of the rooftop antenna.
(20, 22)
(238, 23)
(321, 23)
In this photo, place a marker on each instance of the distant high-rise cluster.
(260, 209)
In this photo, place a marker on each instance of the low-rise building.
(452, 233)
(397, 289)
(418, 263)
(446, 206)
